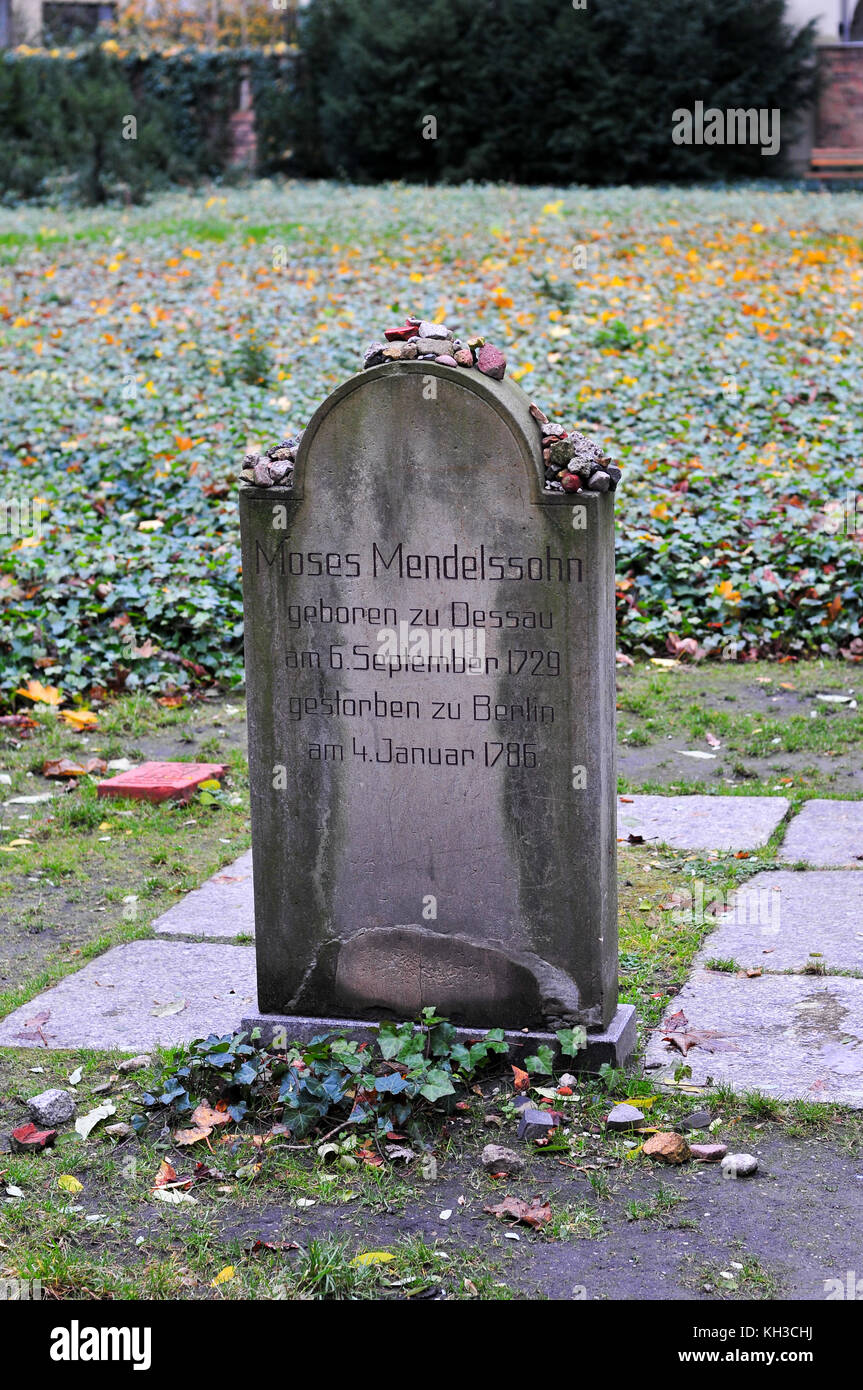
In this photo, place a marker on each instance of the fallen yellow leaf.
(373, 1257)
(79, 718)
(44, 694)
(223, 1276)
(67, 1183)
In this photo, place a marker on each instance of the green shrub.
(102, 122)
(537, 91)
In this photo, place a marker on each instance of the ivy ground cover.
(708, 339)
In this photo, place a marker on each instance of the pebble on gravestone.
(399, 352)
(491, 362)
(51, 1108)
(430, 347)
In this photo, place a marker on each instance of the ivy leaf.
(542, 1062)
(572, 1040)
(437, 1084)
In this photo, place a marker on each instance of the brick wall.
(839, 121)
(243, 139)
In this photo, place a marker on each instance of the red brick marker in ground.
(160, 781)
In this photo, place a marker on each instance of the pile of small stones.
(572, 461)
(418, 340)
(275, 468)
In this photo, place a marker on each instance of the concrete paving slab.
(785, 920)
(220, 909)
(113, 1001)
(789, 1036)
(826, 832)
(701, 822)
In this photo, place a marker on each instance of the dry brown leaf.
(205, 1118)
(184, 1137)
(521, 1079)
(534, 1213)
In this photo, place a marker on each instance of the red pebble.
(571, 482)
(401, 335)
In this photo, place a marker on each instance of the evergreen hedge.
(534, 91)
(538, 91)
(65, 118)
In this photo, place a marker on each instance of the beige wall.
(26, 20)
(826, 12)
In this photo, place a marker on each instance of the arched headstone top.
(419, 381)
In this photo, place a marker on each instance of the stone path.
(702, 822)
(221, 909)
(794, 1031)
(827, 832)
(119, 1000)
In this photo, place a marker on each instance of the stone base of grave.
(614, 1045)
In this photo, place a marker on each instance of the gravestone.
(430, 676)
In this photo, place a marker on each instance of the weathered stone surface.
(51, 1108)
(432, 347)
(138, 1063)
(464, 357)
(221, 909)
(491, 361)
(431, 829)
(784, 920)
(421, 967)
(739, 1165)
(560, 453)
(667, 1147)
(790, 1036)
(702, 822)
(699, 1119)
(497, 1159)
(112, 1001)
(433, 330)
(708, 1153)
(624, 1117)
(535, 1124)
(399, 352)
(826, 832)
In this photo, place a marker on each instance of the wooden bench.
(836, 162)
